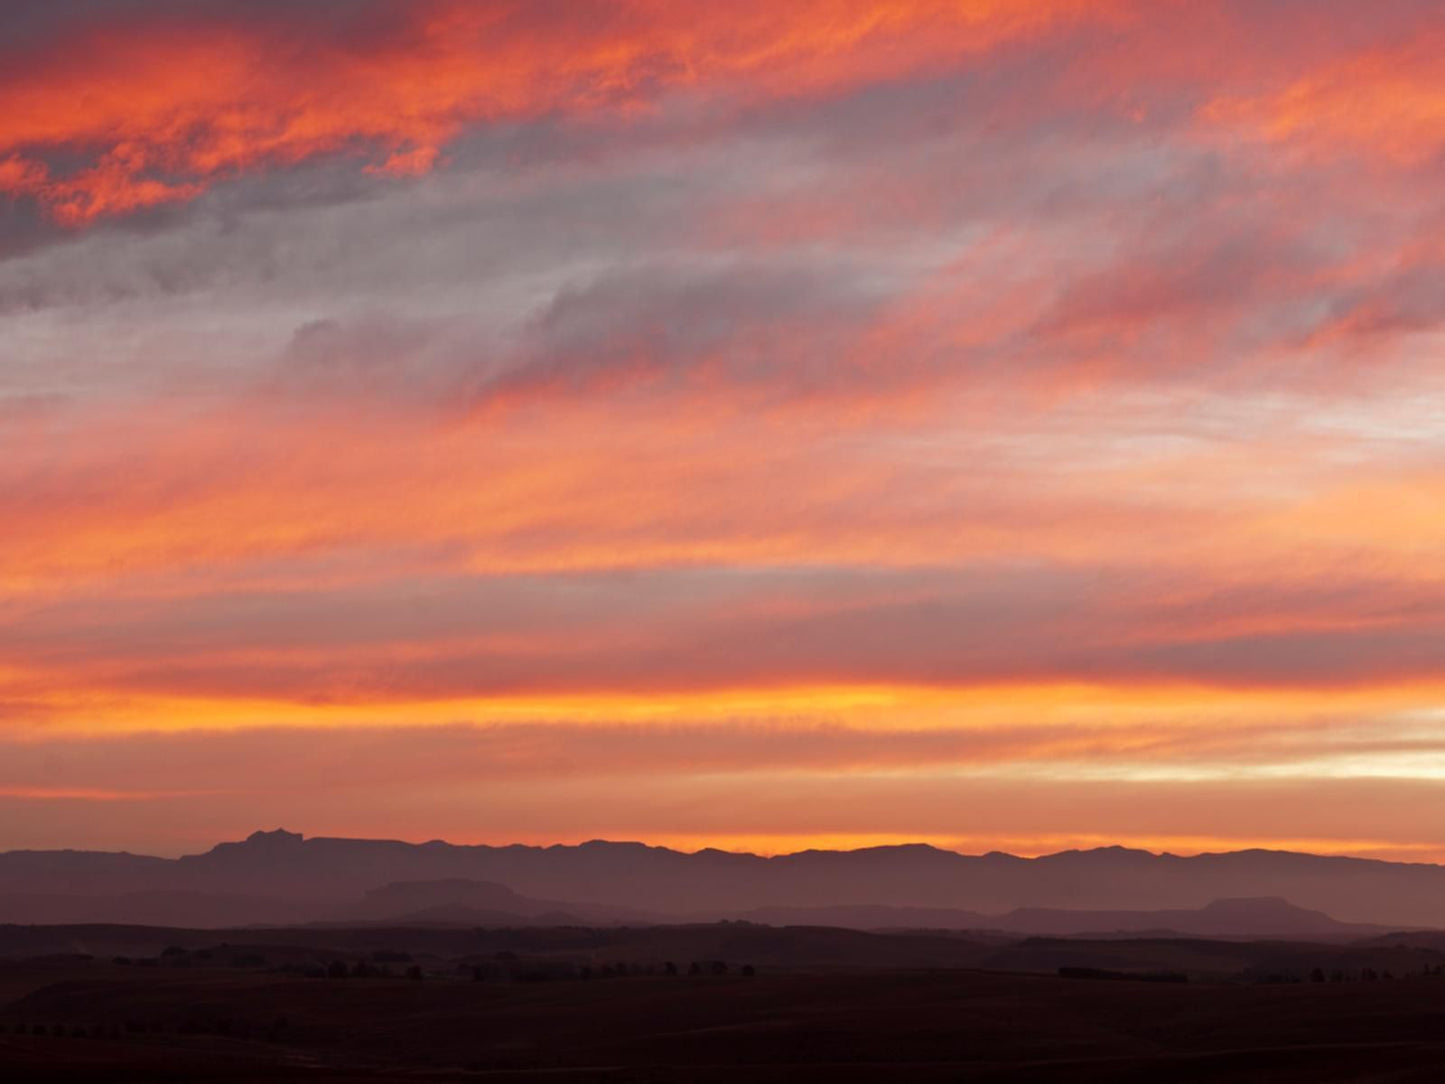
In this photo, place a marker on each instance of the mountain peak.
(274, 839)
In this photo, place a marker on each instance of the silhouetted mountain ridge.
(282, 874)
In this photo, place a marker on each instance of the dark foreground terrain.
(342, 1010)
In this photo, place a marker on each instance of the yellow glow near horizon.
(879, 707)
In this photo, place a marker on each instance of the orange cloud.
(158, 112)
(676, 481)
(161, 112)
(92, 794)
(603, 487)
(1388, 101)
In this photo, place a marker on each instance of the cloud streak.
(206, 95)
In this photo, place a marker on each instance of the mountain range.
(278, 877)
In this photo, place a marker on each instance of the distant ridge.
(1228, 918)
(276, 876)
(476, 903)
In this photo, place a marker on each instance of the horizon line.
(302, 837)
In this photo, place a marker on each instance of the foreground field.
(115, 1023)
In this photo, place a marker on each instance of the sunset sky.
(1003, 424)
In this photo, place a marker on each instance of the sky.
(1001, 424)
